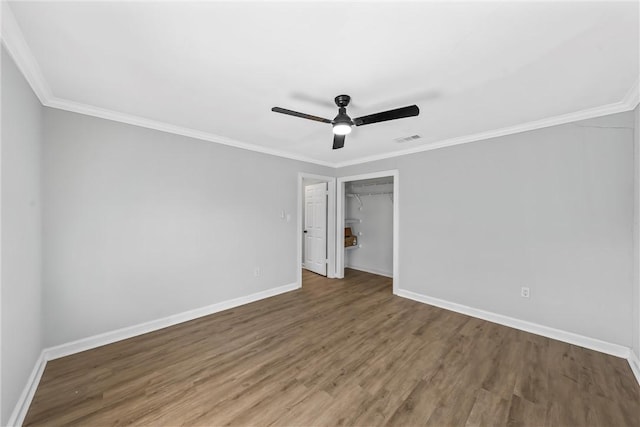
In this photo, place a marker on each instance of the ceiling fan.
(342, 122)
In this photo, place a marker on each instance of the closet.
(368, 217)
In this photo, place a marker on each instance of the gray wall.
(141, 224)
(636, 243)
(549, 209)
(21, 234)
(376, 253)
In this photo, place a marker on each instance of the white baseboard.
(143, 328)
(370, 270)
(22, 406)
(634, 362)
(534, 328)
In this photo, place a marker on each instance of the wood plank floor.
(335, 353)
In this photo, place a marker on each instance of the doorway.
(316, 224)
(314, 239)
(378, 184)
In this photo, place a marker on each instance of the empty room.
(320, 213)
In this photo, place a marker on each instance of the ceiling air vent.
(408, 138)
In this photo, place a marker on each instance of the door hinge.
(326, 261)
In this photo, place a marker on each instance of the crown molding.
(629, 102)
(16, 45)
(89, 110)
(632, 98)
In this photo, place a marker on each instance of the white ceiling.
(214, 70)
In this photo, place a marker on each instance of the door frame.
(339, 235)
(331, 223)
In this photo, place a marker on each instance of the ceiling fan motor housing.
(342, 117)
(342, 100)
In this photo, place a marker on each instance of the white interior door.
(315, 228)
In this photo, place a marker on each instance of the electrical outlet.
(257, 272)
(524, 292)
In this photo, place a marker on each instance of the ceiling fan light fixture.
(342, 128)
(342, 123)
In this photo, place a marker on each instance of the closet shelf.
(369, 194)
(358, 196)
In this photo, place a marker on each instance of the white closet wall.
(374, 208)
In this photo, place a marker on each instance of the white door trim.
(339, 249)
(331, 224)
